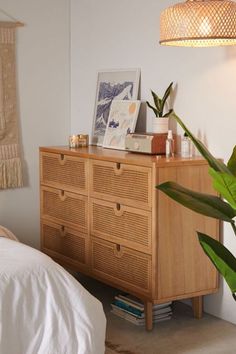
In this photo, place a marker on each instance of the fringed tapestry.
(10, 162)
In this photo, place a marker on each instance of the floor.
(181, 335)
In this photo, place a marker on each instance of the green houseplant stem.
(159, 103)
(224, 182)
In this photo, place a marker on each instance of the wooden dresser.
(102, 215)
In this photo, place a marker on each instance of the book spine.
(135, 303)
(125, 316)
(156, 308)
(135, 320)
(114, 306)
(128, 308)
(162, 310)
(129, 302)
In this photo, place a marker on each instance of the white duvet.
(43, 309)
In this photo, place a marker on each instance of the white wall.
(109, 34)
(43, 64)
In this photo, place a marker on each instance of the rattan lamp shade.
(199, 23)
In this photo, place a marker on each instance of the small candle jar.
(73, 141)
(83, 139)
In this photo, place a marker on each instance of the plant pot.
(160, 125)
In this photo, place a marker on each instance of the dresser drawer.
(121, 265)
(121, 183)
(121, 224)
(64, 243)
(64, 171)
(65, 208)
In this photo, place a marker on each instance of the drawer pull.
(62, 195)
(118, 210)
(118, 169)
(118, 251)
(62, 159)
(62, 231)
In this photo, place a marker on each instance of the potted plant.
(224, 182)
(161, 119)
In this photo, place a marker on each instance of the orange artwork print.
(121, 121)
(132, 108)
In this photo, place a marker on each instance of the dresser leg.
(148, 315)
(197, 303)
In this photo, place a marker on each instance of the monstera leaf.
(221, 257)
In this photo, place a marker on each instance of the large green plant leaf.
(205, 204)
(225, 184)
(216, 164)
(221, 257)
(232, 162)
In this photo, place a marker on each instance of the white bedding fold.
(43, 309)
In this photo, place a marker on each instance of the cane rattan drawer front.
(65, 208)
(64, 243)
(121, 224)
(123, 266)
(121, 183)
(64, 171)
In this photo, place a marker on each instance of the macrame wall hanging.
(10, 161)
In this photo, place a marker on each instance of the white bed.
(43, 309)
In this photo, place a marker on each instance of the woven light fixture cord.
(10, 162)
(199, 23)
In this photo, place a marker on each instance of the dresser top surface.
(100, 153)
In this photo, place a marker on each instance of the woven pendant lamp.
(199, 23)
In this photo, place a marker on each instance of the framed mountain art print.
(122, 84)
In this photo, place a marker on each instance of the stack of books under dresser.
(131, 309)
